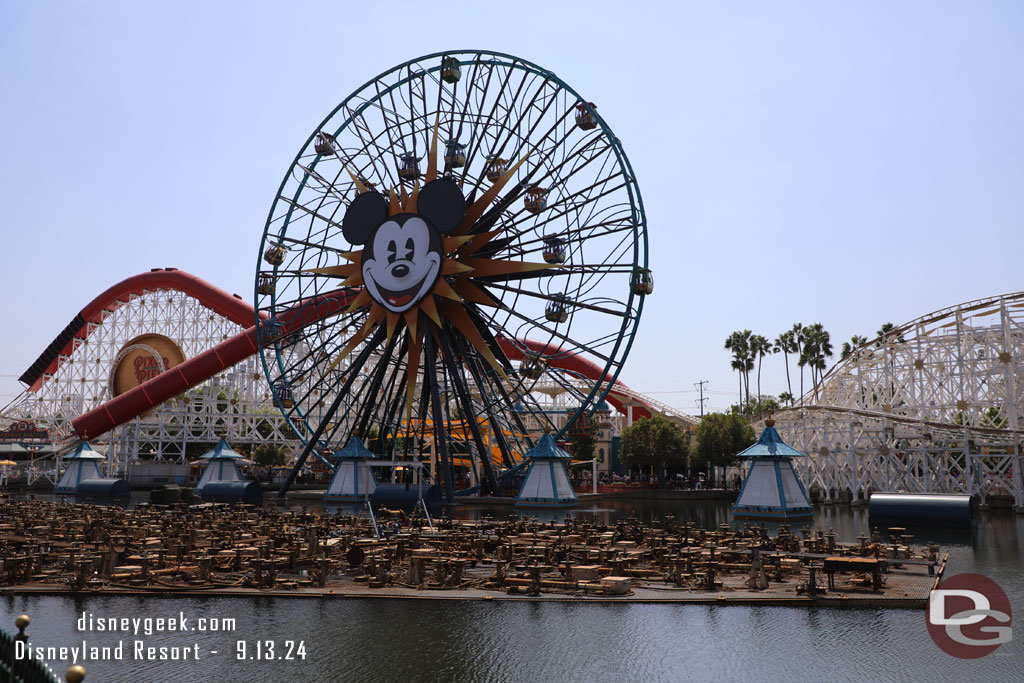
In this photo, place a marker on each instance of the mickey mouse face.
(402, 258)
(401, 262)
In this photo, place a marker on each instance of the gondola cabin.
(495, 168)
(451, 72)
(285, 397)
(557, 310)
(272, 331)
(554, 250)
(324, 144)
(536, 199)
(643, 281)
(584, 117)
(409, 166)
(532, 366)
(266, 285)
(455, 154)
(274, 255)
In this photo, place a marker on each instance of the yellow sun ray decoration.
(452, 287)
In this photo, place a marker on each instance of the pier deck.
(60, 548)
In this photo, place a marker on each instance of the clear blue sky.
(848, 163)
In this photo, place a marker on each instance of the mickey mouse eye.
(392, 251)
(410, 248)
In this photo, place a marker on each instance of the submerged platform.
(60, 548)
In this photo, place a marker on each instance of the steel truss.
(932, 406)
(235, 403)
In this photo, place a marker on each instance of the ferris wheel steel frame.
(469, 371)
(934, 406)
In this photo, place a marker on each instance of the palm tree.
(855, 342)
(738, 366)
(817, 347)
(799, 341)
(887, 331)
(786, 343)
(759, 347)
(786, 397)
(742, 359)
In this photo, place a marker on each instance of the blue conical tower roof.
(547, 449)
(355, 449)
(770, 445)
(222, 451)
(83, 451)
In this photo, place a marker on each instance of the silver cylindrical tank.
(923, 509)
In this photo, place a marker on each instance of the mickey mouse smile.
(401, 262)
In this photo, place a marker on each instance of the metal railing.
(17, 666)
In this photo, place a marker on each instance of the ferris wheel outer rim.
(628, 329)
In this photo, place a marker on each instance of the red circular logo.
(968, 616)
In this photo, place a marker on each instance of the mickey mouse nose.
(400, 270)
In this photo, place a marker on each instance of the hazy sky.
(844, 162)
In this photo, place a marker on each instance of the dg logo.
(969, 616)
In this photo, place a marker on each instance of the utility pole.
(699, 386)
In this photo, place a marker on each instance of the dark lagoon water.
(392, 640)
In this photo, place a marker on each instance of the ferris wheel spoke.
(477, 132)
(309, 211)
(465, 400)
(373, 389)
(575, 237)
(549, 298)
(310, 244)
(485, 380)
(393, 401)
(390, 125)
(361, 127)
(565, 202)
(536, 324)
(494, 148)
(326, 185)
(324, 420)
(527, 135)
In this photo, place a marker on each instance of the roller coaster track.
(934, 405)
(201, 367)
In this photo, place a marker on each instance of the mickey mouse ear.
(364, 213)
(441, 201)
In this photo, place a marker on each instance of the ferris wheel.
(452, 235)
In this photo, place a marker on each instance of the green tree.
(654, 442)
(856, 341)
(765, 404)
(717, 440)
(786, 398)
(888, 332)
(270, 454)
(582, 441)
